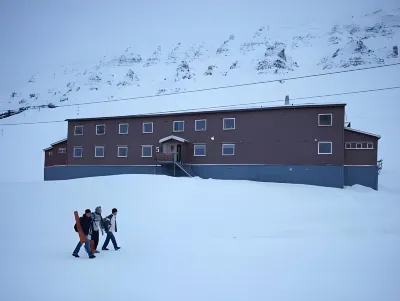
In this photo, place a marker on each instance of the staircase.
(187, 169)
(170, 160)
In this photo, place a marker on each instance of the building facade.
(305, 144)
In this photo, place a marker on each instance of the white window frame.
(151, 147)
(319, 142)
(229, 129)
(95, 151)
(62, 150)
(78, 126)
(201, 130)
(73, 152)
(226, 144)
(173, 126)
(347, 145)
(194, 149)
(119, 128)
(122, 146)
(97, 125)
(152, 127)
(325, 124)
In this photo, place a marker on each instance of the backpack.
(107, 222)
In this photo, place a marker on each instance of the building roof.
(361, 132)
(172, 137)
(55, 143)
(202, 111)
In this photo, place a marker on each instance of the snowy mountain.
(267, 51)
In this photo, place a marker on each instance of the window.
(99, 151)
(199, 150)
(123, 128)
(147, 150)
(359, 145)
(122, 151)
(200, 125)
(325, 119)
(147, 127)
(78, 152)
(50, 153)
(228, 149)
(62, 150)
(78, 130)
(229, 123)
(324, 148)
(179, 126)
(100, 129)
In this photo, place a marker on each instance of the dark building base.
(327, 176)
(361, 175)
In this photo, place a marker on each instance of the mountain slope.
(266, 51)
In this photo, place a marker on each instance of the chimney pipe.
(286, 100)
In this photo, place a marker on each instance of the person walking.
(110, 226)
(86, 225)
(98, 225)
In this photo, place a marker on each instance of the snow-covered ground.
(192, 239)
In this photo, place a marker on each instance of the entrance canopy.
(172, 137)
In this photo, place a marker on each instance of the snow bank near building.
(192, 239)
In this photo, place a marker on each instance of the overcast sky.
(43, 34)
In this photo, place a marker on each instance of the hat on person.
(88, 211)
(98, 209)
(114, 210)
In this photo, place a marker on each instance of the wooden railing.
(165, 157)
(380, 165)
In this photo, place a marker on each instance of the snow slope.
(224, 240)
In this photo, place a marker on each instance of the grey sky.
(43, 34)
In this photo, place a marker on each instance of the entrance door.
(178, 153)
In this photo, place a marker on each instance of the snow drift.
(191, 239)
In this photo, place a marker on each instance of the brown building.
(56, 154)
(305, 144)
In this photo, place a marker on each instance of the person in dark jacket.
(87, 228)
(98, 226)
(111, 227)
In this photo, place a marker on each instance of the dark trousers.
(87, 247)
(95, 238)
(111, 236)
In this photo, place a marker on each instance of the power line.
(230, 86)
(228, 106)
(227, 87)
